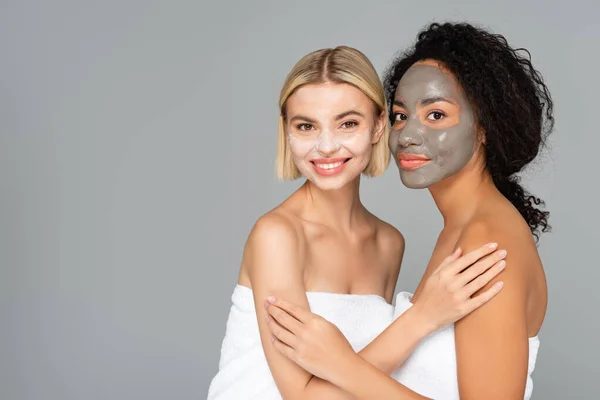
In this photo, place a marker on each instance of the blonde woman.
(324, 251)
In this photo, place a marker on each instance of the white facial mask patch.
(326, 143)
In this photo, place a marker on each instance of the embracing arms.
(274, 263)
(274, 258)
(446, 298)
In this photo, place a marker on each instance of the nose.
(328, 144)
(411, 134)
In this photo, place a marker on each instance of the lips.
(329, 166)
(412, 161)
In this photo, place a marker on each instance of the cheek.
(393, 139)
(455, 142)
(300, 148)
(359, 144)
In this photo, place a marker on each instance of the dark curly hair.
(513, 105)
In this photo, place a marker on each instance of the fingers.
(292, 309)
(283, 318)
(471, 257)
(452, 257)
(484, 297)
(280, 333)
(480, 267)
(283, 348)
(483, 279)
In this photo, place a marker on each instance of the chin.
(414, 181)
(327, 185)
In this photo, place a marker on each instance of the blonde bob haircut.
(339, 65)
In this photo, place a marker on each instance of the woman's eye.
(304, 127)
(400, 117)
(349, 124)
(436, 115)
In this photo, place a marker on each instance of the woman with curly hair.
(468, 113)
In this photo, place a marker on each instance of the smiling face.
(332, 128)
(434, 131)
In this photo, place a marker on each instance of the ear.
(482, 138)
(380, 125)
(480, 134)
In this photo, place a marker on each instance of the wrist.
(347, 370)
(364, 381)
(421, 325)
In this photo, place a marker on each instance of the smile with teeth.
(329, 166)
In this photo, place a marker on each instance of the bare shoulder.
(274, 227)
(390, 244)
(524, 290)
(388, 237)
(513, 235)
(274, 236)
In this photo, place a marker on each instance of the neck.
(459, 197)
(339, 209)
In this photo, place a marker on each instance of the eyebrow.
(347, 113)
(431, 100)
(337, 117)
(426, 102)
(399, 103)
(303, 118)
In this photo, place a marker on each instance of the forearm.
(383, 355)
(394, 345)
(359, 380)
(319, 389)
(365, 382)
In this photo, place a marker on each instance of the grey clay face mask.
(450, 148)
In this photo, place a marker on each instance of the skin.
(323, 239)
(492, 341)
(310, 341)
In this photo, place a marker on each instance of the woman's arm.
(274, 262)
(492, 344)
(445, 299)
(320, 348)
(366, 382)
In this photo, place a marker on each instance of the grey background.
(137, 143)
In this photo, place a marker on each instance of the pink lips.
(412, 161)
(329, 166)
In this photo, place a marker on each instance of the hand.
(447, 293)
(308, 339)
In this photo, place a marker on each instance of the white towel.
(431, 369)
(243, 369)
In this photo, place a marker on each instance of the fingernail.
(502, 253)
(499, 285)
(271, 299)
(493, 245)
(266, 305)
(267, 319)
(272, 339)
(458, 250)
(502, 264)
